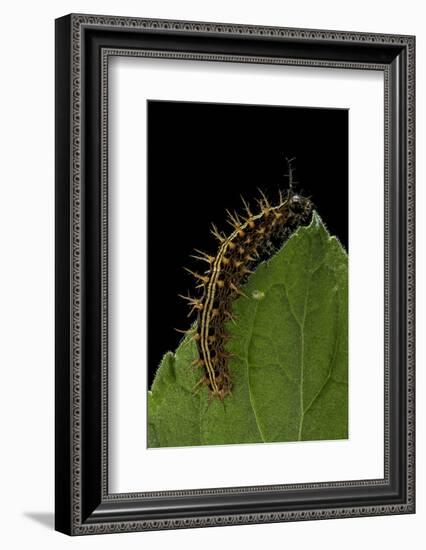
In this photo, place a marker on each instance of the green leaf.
(290, 368)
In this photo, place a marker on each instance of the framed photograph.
(234, 274)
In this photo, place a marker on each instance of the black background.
(201, 158)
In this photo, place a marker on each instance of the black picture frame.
(83, 46)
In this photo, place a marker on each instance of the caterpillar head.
(300, 205)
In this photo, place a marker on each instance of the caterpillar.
(253, 238)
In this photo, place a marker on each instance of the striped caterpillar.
(253, 238)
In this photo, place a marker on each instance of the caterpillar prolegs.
(253, 238)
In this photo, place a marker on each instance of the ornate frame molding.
(84, 508)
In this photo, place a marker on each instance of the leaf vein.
(248, 376)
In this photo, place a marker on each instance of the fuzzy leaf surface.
(290, 364)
